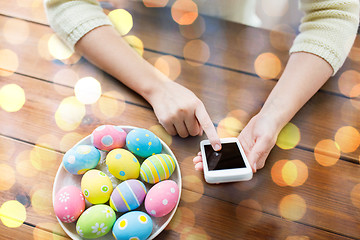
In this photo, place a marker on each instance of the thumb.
(258, 154)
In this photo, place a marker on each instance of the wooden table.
(295, 196)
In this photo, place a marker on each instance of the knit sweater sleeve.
(72, 19)
(328, 29)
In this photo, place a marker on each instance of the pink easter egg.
(108, 137)
(162, 198)
(69, 203)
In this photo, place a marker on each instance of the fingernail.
(255, 166)
(217, 147)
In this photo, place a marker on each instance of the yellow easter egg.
(96, 186)
(123, 164)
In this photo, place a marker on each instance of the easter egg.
(133, 225)
(128, 195)
(69, 203)
(81, 158)
(123, 164)
(143, 143)
(96, 221)
(162, 198)
(157, 168)
(108, 137)
(96, 186)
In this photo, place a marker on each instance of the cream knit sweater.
(328, 28)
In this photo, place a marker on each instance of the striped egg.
(157, 168)
(128, 195)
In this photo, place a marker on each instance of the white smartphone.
(227, 165)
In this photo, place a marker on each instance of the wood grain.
(321, 201)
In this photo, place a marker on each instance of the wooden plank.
(198, 214)
(235, 47)
(234, 91)
(27, 232)
(322, 201)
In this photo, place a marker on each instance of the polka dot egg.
(108, 137)
(128, 195)
(80, 159)
(133, 225)
(143, 143)
(96, 186)
(69, 203)
(123, 164)
(157, 168)
(162, 198)
(96, 221)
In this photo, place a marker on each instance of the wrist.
(275, 112)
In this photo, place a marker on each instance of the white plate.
(63, 178)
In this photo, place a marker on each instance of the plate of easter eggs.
(120, 182)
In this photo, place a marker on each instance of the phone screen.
(228, 157)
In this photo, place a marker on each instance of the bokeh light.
(122, 20)
(279, 37)
(67, 77)
(9, 62)
(87, 90)
(327, 152)
(184, 12)
(194, 233)
(195, 186)
(294, 173)
(58, 49)
(347, 138)
(276, 8)
(160, 131)
(43, 48)
(276, 173)
(16, 31)
(354, 53)
(183, 218)
(249, 210)
(24, 3)
(135, 43)
(23, 164)
(7, 177)
(349, 83)
(41, 200)
(229, 127)
(155, 3)
(12, 214)
(169, 66)
(194, 30)
(43, 159)
(111, 104)
(196, 52)
(12, 97)
(288, 137)
(267, 65)
(355, 195)
(69, 114)
(49, 141)
(292, 207)
(7, 148)
(69, 140)
(49, 230)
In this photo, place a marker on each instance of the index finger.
(208, 127)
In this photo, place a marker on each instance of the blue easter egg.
(133, 225)
(143, 143)
(81, 158)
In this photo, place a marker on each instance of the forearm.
(303, 76)
(118, 59)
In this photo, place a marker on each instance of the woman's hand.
(257, 139)
(179, 111)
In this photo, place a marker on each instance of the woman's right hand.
(181, 112)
